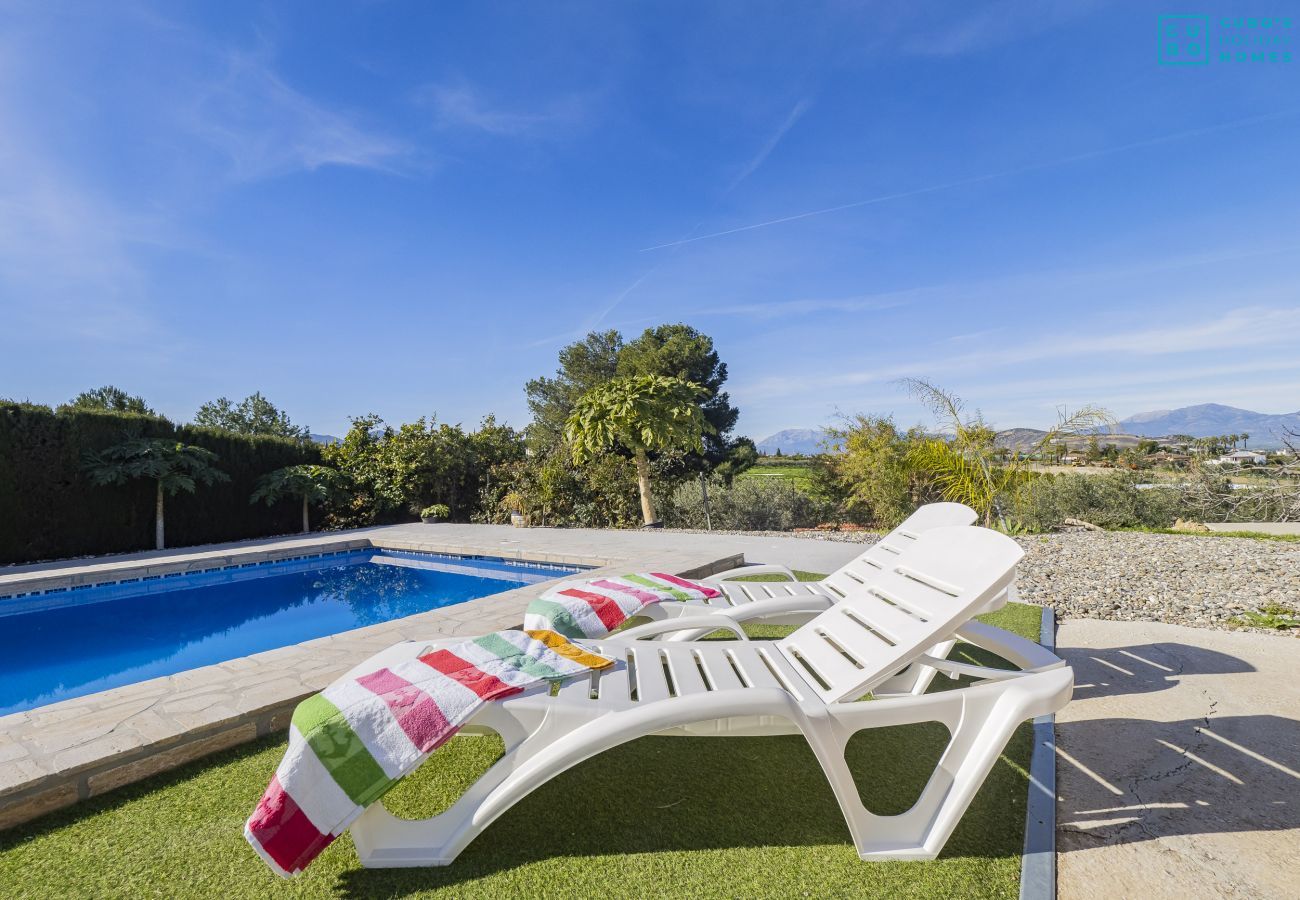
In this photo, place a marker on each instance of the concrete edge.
(1038, 859)
(49, 792)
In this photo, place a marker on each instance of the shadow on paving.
(1130, 779)
(1144, 668)
(1135, 780)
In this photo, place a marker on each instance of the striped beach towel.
(592, 609)
(352, 742)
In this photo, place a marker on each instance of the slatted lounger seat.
(811, 683)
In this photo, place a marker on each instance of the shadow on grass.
(705, 816)
(665, 794)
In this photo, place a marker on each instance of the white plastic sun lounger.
(809, 683)
(792, 602)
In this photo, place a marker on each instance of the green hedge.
(49, 509)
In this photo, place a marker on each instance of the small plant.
(1273, 615)
(438, 512)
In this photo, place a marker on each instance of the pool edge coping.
(47, 786)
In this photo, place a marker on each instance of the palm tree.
(313, 484)
(964, 464)
(1244, 438)
(643, 414)
(173, 466)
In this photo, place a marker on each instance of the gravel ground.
(1136, 577)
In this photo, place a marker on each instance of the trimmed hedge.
(49, 509)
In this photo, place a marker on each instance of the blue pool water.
(78, 642)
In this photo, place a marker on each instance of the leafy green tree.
(741, 456)
(680, 351)
(110, 398)
(642, 414)
(584, 365)
(253, 415)
(172, 465)
(399, 471)
(872, 472)
(309, 483)
(963, 462)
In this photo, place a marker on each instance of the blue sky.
(409, 208)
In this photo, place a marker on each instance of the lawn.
(660, 816)
(801, 475)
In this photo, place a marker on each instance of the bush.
(749, 504)
(1109, 501)
(51, 510)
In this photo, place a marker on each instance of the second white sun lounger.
(811, 683)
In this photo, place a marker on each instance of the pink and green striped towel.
(352, 742)
(592, 609)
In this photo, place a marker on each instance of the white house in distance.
(1241, 458)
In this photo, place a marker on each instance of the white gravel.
(1136, 577)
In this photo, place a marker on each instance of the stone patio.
(1179, 763)
(55, 755)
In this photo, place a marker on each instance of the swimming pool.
(67, 643)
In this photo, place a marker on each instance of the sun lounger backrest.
(900, 611)
(885, 551)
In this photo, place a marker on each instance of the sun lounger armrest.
(746, 571)
(708, 621)
(1015, 649)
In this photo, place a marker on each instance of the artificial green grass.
(658, 817)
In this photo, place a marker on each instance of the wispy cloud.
(980, 179)
(1237, 329)
(776, 309)
(460, 105)
(795, 114)
(992, 25)
(264, 127)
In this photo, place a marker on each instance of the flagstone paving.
(54, 755)
(1179, 763)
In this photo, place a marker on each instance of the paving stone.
(97, 749)
(88, 733)
(38, 804)
(169, 759)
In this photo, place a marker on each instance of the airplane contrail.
(884, 198)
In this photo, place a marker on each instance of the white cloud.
(264, 127)
(1237, 329)
(462, 106)
(795, 114)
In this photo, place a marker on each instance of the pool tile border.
(54, 756)
(39, 598)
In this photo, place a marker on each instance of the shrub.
(749, 504)
(1109, 501)
(436, 511)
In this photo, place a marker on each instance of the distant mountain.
(1210, 419)
(793, 441)
(324, 438)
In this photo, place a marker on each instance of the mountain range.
(793, 442)
(1208, 419)
(1203, 420)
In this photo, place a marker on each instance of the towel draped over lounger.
(594, 608)
(352, 742)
